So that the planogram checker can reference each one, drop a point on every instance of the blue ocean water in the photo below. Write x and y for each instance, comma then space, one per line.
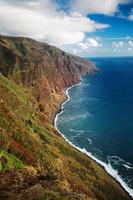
99, 115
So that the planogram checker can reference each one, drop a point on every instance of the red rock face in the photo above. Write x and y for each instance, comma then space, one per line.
44, 69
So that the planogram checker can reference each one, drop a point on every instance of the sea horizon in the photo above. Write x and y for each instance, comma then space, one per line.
93, 57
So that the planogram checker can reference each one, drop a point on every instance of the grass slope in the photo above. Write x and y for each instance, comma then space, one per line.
36, 163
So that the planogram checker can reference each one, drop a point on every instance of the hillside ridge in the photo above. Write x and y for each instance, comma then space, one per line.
45, 69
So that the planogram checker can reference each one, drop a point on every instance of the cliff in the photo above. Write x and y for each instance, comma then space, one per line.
44, 69
35, 161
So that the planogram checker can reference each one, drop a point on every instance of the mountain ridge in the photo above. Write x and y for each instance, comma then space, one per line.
30, 60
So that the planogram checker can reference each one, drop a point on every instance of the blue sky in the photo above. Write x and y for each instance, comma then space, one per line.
116, 40
82, 27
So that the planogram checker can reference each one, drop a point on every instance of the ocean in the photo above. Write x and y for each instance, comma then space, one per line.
97, 117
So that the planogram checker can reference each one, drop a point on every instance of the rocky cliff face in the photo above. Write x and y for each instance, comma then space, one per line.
44, 69
35, 161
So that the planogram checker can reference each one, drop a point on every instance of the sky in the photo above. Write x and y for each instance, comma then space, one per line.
87, 28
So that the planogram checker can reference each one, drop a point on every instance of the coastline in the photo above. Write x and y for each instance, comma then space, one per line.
107, 167
65, 98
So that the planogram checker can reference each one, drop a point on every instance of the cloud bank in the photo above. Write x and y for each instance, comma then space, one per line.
67, 28
123, 46
106, 7
42, 20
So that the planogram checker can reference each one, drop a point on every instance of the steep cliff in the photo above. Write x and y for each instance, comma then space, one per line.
35, 161
44, 69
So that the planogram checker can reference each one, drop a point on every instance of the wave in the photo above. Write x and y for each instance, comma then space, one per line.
81, 116
83, 131
76, 101
85, 84
79, 133
127, 166
76, 136
90, 141
108, 168
119, 161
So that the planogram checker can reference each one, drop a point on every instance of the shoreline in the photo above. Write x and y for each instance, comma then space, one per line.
63, 102
107, 167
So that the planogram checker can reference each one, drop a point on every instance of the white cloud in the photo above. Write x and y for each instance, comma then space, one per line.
130, 43
92, 42
122, 46
106, 7
89, 46
130, 49
117, 50
74, 51
82, 45
119, 38
43, 21
89, 43
130, 17
118, 44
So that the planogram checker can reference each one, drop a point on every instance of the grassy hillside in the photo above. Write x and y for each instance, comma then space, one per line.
35, 161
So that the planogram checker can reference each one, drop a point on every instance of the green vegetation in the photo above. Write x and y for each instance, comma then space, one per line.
9, 161
24, 141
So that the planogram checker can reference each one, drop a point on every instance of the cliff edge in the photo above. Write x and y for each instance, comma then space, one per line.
44, 69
